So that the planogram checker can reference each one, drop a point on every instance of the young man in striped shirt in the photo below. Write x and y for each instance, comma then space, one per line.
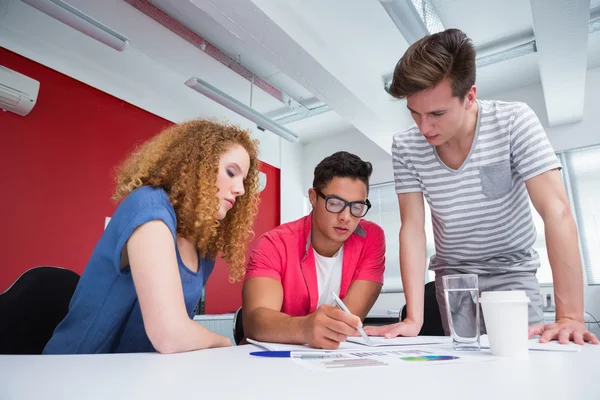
478, 163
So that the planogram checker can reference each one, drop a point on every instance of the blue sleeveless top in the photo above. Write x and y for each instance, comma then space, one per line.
104, 314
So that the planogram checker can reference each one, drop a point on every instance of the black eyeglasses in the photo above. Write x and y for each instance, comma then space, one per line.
336, 205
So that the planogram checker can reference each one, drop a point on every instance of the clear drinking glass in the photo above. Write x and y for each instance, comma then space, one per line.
462, 308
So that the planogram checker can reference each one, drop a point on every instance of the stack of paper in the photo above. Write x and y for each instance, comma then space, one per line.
378, 341
358, 343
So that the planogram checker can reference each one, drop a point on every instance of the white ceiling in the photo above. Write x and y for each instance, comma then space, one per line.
318, 52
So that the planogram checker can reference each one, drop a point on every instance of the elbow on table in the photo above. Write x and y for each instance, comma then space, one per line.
164, 340
165, 345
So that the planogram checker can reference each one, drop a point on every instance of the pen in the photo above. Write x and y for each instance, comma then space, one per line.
341, 305
293, 354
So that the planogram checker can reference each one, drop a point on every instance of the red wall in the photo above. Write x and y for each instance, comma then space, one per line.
56, 168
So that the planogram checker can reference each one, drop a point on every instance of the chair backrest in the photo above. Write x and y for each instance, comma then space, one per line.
238, 326
432, 320
32, 307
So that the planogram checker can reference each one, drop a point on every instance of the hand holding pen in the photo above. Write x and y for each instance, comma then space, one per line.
341, 305
328, 326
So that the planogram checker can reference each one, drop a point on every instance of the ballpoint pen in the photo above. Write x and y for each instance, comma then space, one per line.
295, 354
341, 305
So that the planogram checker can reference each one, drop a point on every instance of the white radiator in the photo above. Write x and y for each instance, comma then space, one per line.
221, 324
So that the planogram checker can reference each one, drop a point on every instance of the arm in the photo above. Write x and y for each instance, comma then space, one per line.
549, 198
413, 254
325, 328
412, 266
361, 296
262, 299
152, 259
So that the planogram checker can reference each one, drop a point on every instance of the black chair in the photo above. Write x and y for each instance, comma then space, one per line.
238, 327
32, 307
432, 320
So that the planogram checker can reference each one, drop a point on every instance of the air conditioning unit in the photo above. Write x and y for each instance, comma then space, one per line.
18, 93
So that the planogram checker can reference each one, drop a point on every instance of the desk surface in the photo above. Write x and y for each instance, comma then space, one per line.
231, 373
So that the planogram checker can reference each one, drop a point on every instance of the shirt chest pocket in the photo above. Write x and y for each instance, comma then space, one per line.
496, 179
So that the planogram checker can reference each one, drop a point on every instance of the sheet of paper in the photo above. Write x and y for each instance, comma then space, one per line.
344, 346
379, 341
358, 343
535, 345
406, 357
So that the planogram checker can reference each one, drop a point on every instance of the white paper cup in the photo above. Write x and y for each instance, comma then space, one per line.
506, 321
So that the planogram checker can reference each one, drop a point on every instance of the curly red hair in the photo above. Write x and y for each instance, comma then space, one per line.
184, 161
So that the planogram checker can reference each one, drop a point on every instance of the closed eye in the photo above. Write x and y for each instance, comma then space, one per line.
231, 173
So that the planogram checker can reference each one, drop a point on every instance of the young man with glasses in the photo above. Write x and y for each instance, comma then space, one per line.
296, 266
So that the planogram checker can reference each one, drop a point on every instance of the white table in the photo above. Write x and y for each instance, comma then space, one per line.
231, 373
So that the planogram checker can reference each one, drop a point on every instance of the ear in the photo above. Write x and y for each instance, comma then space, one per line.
471, 97
312, 197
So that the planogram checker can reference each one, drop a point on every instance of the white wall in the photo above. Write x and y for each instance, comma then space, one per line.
563, 137
292, 191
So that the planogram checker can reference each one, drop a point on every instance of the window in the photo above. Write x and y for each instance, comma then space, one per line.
582, 172
544, 273
384, 212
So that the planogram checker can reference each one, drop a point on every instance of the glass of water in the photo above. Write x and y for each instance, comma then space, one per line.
462, 308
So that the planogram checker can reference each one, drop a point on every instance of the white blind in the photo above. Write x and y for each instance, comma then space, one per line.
544, 272
583, 169
385, 213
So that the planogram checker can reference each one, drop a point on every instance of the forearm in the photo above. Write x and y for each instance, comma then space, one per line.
361, 297
188, 335
267, 325
565, 261
412, 270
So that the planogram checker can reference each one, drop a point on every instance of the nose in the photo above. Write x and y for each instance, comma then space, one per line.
238, 188
345, 214
425, 125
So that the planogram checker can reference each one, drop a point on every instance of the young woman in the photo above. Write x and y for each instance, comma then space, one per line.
188, 194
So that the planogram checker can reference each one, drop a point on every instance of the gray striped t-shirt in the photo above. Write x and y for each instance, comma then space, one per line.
480, 213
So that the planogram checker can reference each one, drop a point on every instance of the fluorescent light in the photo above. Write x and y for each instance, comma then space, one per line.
80, 21
427, 13
413, 18
594, 20
240, 108
488, 58
498, 52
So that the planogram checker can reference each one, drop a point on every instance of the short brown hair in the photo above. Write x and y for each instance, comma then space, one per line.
448, 54
342, 165
184, 161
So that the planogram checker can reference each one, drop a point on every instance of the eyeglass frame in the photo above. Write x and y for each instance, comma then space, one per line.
346, 203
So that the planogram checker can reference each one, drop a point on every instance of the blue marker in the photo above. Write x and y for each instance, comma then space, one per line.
293, 354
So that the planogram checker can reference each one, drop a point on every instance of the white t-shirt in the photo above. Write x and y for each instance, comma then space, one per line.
329, 276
